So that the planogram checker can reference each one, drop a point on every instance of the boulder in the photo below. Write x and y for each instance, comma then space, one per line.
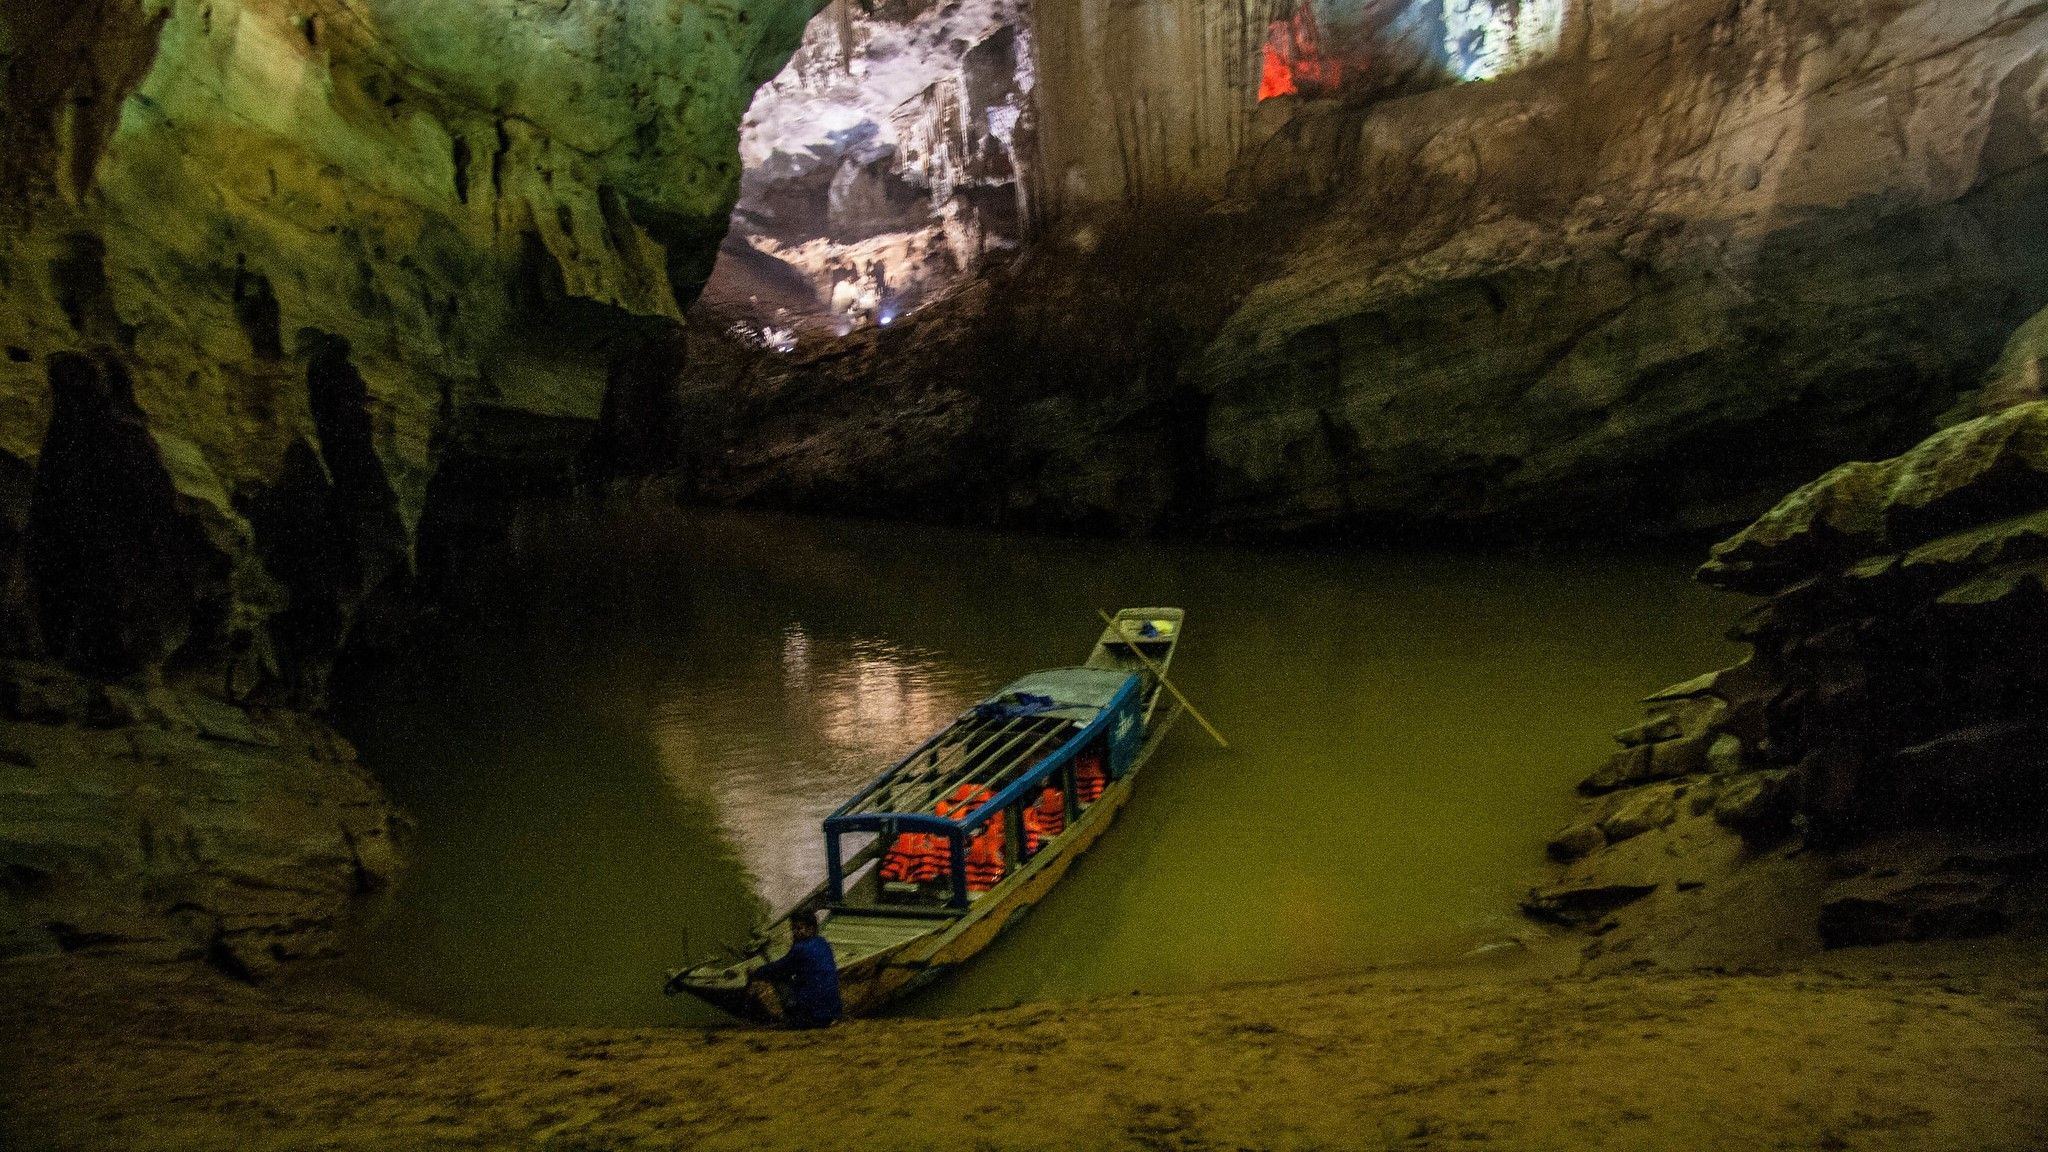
1581, 906
1762, 807
1725, 755
1643, 810
1656, 729
1985, 470
1648, 763
243, 840
1885, 911
1576, 842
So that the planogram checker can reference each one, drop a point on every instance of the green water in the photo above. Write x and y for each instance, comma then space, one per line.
631, 767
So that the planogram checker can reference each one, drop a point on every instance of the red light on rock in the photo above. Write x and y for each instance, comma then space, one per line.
1277, 79
1295, 61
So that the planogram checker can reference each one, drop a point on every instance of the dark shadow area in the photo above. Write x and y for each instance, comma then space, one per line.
124, 579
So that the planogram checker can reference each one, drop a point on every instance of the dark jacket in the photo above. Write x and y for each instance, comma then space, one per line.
809, 980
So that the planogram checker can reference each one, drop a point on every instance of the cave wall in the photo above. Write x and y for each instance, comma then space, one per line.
1143, 102
1778, 233
1143, 99
1674, 260
319, 242
881, 164
286, 290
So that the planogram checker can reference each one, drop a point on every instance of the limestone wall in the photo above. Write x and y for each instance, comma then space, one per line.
1793, 231
301, 247
275, 279
1642, 286
1161, 100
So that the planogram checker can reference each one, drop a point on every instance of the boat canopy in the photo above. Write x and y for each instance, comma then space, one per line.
1005, 749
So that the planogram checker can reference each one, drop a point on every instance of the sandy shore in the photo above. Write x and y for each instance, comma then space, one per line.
1948, 1050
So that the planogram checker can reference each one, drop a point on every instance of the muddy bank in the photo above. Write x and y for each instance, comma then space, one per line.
1902, 1051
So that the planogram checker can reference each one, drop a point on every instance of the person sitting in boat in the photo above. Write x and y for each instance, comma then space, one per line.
806, 979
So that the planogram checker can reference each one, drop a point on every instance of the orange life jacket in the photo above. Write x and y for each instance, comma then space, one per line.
1044, 820
985, 865
914, 858
1089, 777
964, 800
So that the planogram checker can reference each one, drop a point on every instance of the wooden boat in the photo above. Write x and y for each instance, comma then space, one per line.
974, 827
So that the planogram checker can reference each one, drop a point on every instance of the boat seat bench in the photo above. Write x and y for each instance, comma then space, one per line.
855, 937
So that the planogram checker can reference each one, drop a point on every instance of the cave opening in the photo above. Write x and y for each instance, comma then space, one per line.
881, 167
904, 144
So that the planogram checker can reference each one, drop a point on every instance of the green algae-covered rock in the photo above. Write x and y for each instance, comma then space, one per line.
266, 268
320, 242
2015, 379
1891, 704
1991, 468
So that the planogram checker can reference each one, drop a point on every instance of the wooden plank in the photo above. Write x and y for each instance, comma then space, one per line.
938, 760
854, 938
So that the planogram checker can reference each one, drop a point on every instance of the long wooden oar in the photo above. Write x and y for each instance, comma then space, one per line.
1117, 624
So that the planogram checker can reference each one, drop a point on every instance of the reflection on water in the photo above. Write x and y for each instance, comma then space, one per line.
845, 708
629, 776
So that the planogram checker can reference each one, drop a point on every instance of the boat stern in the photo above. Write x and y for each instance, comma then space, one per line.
724, 987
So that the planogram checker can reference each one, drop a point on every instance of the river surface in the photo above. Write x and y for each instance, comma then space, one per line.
628, 766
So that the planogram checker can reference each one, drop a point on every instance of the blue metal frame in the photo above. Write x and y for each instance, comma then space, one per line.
1123, 746
888, 774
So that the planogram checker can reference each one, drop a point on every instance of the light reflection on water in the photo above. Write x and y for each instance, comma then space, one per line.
847, 708
626, 778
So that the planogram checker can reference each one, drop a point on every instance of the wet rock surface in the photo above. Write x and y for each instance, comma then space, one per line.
169, 823
1876, 762
268, 267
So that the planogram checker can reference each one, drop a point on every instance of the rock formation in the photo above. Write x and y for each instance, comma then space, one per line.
1883, 743
886, 160
280, 284
1687, 257
165, 822
1589, 289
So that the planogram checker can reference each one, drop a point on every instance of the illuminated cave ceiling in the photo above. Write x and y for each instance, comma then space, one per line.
880, 164
902, 142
